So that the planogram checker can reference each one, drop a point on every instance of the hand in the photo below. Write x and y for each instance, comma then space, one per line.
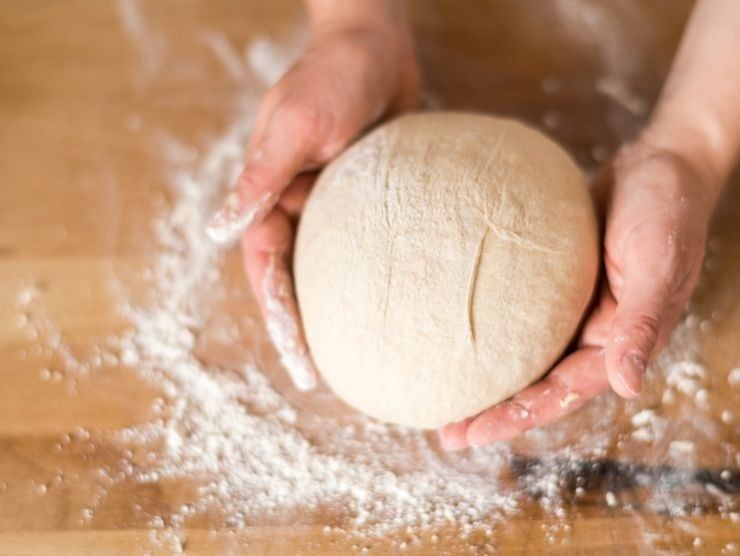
657, 209
658, 196
350, 76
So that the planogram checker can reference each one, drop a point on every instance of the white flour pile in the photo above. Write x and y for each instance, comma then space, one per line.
262, 452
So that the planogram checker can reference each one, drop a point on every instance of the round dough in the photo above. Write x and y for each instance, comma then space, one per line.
442, 264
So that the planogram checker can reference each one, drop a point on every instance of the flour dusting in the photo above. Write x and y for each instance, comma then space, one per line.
257, 451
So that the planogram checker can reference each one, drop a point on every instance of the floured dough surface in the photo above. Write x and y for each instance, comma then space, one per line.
442, 264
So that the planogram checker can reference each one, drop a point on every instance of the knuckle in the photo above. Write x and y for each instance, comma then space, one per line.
645, 326
302, 117
308, 123
666, 250
681, 260
672, 258
662, 173
670, 177
257, 178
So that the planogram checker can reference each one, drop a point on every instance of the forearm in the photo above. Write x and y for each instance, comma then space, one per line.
324, 14
698, 113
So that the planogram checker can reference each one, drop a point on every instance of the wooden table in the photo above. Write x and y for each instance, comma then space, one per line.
85, 87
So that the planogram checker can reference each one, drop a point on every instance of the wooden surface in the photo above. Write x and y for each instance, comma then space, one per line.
82, 98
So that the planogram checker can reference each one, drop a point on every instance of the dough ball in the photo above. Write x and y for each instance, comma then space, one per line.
442, 264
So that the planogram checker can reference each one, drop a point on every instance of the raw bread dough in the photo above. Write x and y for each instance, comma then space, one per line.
442, 264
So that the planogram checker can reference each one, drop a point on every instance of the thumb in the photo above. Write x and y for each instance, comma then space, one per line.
638, 322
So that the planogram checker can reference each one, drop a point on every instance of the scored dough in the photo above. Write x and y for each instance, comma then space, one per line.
442, 264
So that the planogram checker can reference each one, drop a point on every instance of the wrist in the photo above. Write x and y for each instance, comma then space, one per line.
699, 139
382, 31
385, 16
710, 158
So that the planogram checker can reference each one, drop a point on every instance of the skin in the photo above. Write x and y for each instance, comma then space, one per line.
359, 67
656, 195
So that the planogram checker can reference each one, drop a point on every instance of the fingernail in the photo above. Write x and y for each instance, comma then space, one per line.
631, 372
230, 221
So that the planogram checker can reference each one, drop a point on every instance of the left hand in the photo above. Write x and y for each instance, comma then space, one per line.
354, 72
657, 209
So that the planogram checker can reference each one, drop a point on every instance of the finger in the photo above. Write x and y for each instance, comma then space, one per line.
284, 324
283, 151
594, 335
595, 331
274, 98
266, 110
578, 378
266, 248
272, 236
644, 307
294, 197
454, 435
657, 278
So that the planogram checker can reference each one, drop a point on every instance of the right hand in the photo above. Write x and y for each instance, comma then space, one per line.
352, 75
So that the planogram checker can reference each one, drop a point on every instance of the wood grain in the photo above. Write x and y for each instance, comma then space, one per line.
81, 106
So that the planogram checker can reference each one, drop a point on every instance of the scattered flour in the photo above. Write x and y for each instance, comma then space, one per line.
733, 378
686, 377
262, 455
261, 452
618, 91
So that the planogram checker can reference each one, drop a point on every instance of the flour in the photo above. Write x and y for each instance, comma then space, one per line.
230, 222
620, 33
269, 59
618, 91
228, 57
261, 456
281, 320
261, 453
733, 378
151, 47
